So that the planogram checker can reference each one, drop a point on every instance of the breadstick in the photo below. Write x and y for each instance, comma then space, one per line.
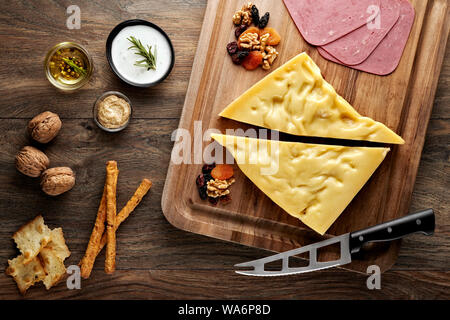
87, 263
111, 188
140, 192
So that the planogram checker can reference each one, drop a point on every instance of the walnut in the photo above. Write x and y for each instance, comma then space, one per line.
31, 161
263, 42
269, 56
55, 181
249, 41
237, 18
44, 127
266, 65
247, 7
243, 16
246, 18
219, 188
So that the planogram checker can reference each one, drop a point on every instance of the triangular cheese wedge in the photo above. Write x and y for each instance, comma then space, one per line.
296, 99
314, 183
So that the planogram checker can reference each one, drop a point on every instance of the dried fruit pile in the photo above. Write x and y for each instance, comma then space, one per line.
255, 46
214, 183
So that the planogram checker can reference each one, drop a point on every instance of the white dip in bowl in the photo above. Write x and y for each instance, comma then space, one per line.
124, 59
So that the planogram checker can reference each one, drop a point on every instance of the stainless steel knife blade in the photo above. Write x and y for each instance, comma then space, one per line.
350, 243
258, 265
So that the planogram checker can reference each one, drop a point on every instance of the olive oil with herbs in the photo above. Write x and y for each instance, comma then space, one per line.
68, 65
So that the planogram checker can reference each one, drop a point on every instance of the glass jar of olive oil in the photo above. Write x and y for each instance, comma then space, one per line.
68, 66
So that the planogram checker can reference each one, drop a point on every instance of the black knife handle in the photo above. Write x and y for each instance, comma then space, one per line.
422, 221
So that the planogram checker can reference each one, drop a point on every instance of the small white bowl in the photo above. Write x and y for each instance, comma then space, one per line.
135, 22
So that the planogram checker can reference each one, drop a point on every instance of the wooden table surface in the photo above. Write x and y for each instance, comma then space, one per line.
155, 260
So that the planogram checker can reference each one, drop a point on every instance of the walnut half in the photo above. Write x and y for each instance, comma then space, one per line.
243, 16
249, 41
55, 181
269, 56
219, 188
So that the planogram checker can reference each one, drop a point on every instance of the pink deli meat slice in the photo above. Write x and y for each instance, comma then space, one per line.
323, 21
356, 46
386, 57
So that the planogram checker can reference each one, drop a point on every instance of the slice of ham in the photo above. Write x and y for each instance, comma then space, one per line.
323, 21
357, 46
386, 57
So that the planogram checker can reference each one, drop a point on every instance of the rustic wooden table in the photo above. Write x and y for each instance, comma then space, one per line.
155, 260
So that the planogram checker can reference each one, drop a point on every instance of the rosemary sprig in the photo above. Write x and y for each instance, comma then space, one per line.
149, 60
76, 68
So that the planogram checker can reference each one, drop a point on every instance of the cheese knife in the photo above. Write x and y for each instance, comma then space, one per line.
350, 244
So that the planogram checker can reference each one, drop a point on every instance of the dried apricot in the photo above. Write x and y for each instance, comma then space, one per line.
253, 60
222, 172
274, 38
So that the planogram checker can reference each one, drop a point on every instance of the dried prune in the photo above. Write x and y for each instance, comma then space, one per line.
200, 181
239, 56
207, 168
202, 184
225, 199
207, 177
213, 201
255, 15
264, 20
239, 30
232, 48
202, 192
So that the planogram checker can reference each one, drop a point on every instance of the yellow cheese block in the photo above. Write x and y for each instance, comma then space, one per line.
296, 99
314, 183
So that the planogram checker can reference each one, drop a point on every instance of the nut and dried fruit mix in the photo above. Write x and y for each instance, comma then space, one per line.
255, 46
214, 183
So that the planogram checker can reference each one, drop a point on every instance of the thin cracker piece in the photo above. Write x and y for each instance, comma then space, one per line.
53, 266
25, 275
58, 244
31, 238
111, 210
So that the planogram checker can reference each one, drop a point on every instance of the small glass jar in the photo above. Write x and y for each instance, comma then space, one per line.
96, 109
68, 66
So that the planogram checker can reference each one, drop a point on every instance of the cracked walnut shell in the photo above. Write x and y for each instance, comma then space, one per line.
44, 127
31, 161
55, 181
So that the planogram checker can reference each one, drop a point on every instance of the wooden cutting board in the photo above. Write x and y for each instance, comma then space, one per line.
402, 100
